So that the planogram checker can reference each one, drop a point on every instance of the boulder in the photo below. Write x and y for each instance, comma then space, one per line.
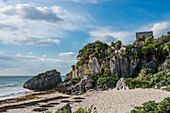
44, 81
121, 84
151, 64
81, 87
89, 84
67, 107
167, 63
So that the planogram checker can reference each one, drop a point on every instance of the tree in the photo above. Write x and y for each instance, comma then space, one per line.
73, 66
118, 45
142, 38
151, 37
110, 50
167, 47
112, 44
168, 32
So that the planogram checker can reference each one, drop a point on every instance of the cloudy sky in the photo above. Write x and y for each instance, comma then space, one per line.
39, 35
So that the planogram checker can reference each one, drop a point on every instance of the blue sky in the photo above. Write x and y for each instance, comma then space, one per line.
39, 35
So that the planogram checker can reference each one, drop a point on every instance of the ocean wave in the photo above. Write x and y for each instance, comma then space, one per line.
15, 94
7, 85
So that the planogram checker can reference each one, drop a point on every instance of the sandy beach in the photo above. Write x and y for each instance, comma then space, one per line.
111, 101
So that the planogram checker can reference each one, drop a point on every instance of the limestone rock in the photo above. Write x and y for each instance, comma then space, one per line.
94, 66
121, 84
67, 107
151, 64
44, 81
167, 63
81, 87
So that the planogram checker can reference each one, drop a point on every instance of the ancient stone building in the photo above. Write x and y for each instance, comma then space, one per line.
146, 34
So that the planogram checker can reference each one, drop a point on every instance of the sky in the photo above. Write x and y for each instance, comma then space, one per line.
40, 35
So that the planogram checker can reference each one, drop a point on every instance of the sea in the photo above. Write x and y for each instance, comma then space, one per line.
12, 86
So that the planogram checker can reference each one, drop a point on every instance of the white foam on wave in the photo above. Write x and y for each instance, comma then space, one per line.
14, 93
7, 85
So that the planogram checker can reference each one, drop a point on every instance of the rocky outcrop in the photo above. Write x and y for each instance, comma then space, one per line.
122, 66
94, 66
121, 85
44, 81
79, 88
167, 63
152, 64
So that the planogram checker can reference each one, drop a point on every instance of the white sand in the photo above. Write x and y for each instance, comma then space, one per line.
113, 101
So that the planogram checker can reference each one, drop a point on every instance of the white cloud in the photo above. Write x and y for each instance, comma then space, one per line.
30, 57
35, 58
44, 55
107, 35
3, 56
67, 54
160, 28
31, 12
25, 57
2, 52
27, 24
48, 59
30, 53
87, 1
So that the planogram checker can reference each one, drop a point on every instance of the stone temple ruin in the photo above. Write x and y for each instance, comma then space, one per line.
146, 34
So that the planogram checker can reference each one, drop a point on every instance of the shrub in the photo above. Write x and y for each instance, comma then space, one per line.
118, 45
73, 67
89, 110
137, 83
167, 88
107, 82
135, 56
76, 80
147, 71
80, 110
160, 79
168, 32
146, 80
153, 107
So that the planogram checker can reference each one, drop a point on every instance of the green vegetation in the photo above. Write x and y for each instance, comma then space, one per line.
53, 70
167, 88
144, 49
73, 67
152, 48
118, 45
97, 49
75, 80
80, 110
106, 82
153, 107
147, 79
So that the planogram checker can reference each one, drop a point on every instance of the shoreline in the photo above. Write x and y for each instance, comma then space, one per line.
26, 97
114, 101
11, 89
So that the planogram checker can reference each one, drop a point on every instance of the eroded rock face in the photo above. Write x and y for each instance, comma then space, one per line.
94, 66
122, 66
81, 87
167, 63
151, 64
121, 84
44, 81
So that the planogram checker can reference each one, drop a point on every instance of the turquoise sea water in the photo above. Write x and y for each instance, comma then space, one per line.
12, 86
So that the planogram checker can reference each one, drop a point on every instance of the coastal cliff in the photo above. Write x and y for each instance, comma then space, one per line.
124, 60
